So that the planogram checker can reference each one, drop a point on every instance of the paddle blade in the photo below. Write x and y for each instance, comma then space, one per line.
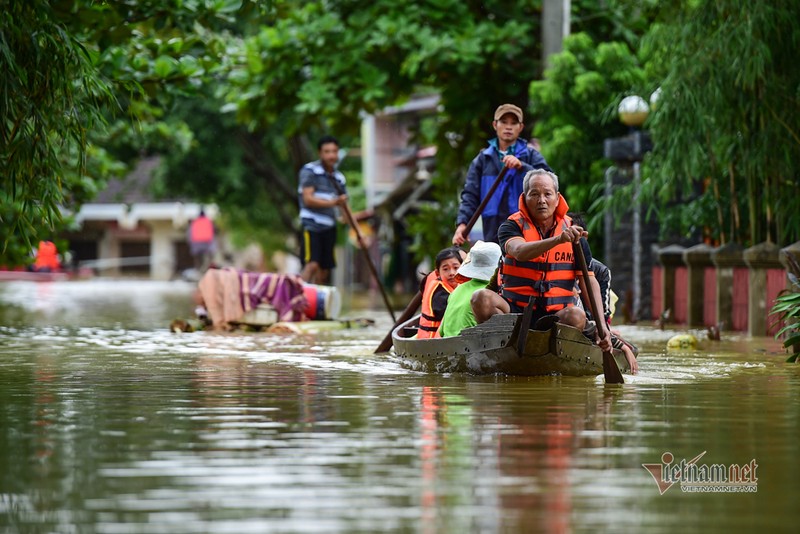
407, 314
386, 344
611, 371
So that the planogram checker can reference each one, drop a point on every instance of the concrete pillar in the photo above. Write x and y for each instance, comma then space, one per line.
759, 258
697, 258
109, 248
369, 156
725, 258
671, 257
555, 26
162, 252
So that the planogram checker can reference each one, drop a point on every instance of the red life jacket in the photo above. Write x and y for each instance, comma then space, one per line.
47, 256
202, 230
428, 323
549, 278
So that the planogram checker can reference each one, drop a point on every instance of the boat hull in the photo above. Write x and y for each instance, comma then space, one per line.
492, 347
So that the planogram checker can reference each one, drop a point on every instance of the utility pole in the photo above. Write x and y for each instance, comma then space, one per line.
555, 27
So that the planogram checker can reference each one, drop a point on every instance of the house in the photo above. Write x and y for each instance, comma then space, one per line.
126, 231
396, 180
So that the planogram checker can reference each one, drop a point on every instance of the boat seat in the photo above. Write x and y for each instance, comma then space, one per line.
410, 331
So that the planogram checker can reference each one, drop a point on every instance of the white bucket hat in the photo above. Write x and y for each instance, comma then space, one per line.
481, 261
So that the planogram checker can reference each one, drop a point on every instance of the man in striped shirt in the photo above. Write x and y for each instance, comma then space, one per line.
321, 190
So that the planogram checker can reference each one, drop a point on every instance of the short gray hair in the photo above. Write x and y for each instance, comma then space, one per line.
526, 181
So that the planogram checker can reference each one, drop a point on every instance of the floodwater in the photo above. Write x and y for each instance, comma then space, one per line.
110, 423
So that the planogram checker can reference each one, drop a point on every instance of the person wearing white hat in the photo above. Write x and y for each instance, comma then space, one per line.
480, 265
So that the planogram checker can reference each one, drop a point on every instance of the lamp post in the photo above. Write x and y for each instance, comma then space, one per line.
633, 111
628, 152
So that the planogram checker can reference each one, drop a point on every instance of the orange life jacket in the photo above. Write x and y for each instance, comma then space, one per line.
47, 256
428, 323
202, 230
549, 278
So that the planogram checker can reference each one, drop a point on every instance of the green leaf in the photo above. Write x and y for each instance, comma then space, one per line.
792, 340
164, 66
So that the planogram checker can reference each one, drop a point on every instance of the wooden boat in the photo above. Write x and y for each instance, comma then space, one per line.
492, 347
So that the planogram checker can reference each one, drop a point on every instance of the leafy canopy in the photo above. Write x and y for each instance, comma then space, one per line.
726, 121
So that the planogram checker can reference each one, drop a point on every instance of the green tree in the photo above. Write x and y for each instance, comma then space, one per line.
726, 120
71, 67
287, 71
51, 98
576, 104
320, 65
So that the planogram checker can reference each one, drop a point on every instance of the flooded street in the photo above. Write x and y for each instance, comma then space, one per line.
110, 423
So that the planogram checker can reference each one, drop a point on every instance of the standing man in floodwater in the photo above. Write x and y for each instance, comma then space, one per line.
319, 198
505, 149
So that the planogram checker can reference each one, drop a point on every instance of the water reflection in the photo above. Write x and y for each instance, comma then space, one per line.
97, 302
115, 426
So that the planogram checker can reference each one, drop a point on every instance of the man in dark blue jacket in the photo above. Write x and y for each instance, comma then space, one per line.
507, 148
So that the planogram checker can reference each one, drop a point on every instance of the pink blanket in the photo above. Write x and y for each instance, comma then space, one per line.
221, 290
228, 294
284, 292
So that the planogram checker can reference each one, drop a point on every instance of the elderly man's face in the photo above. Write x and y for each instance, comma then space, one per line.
541, 198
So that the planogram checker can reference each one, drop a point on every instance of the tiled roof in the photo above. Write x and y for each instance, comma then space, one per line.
135, 187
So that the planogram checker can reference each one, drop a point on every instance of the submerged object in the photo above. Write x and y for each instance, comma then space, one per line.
682, 342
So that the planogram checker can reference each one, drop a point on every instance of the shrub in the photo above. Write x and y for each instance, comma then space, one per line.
787, 309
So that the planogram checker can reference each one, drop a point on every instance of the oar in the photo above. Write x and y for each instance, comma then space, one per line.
386, 344
524, 327
352, 221
611, 372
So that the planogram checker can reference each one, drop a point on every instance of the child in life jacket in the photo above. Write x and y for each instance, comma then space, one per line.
436, 288
475, 273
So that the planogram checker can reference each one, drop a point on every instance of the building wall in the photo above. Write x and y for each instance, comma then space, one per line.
146, 239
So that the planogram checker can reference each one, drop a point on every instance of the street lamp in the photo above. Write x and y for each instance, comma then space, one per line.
654, 98
633, 111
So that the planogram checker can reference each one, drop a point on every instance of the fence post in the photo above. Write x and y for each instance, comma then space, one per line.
673, 282
726, 258
760, 259
697, 259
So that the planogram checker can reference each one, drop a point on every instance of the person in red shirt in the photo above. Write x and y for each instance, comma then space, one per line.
202, 243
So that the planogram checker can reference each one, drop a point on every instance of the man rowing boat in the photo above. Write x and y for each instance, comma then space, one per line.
538, 262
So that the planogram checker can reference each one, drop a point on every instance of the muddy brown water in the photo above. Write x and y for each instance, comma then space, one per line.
110, 423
